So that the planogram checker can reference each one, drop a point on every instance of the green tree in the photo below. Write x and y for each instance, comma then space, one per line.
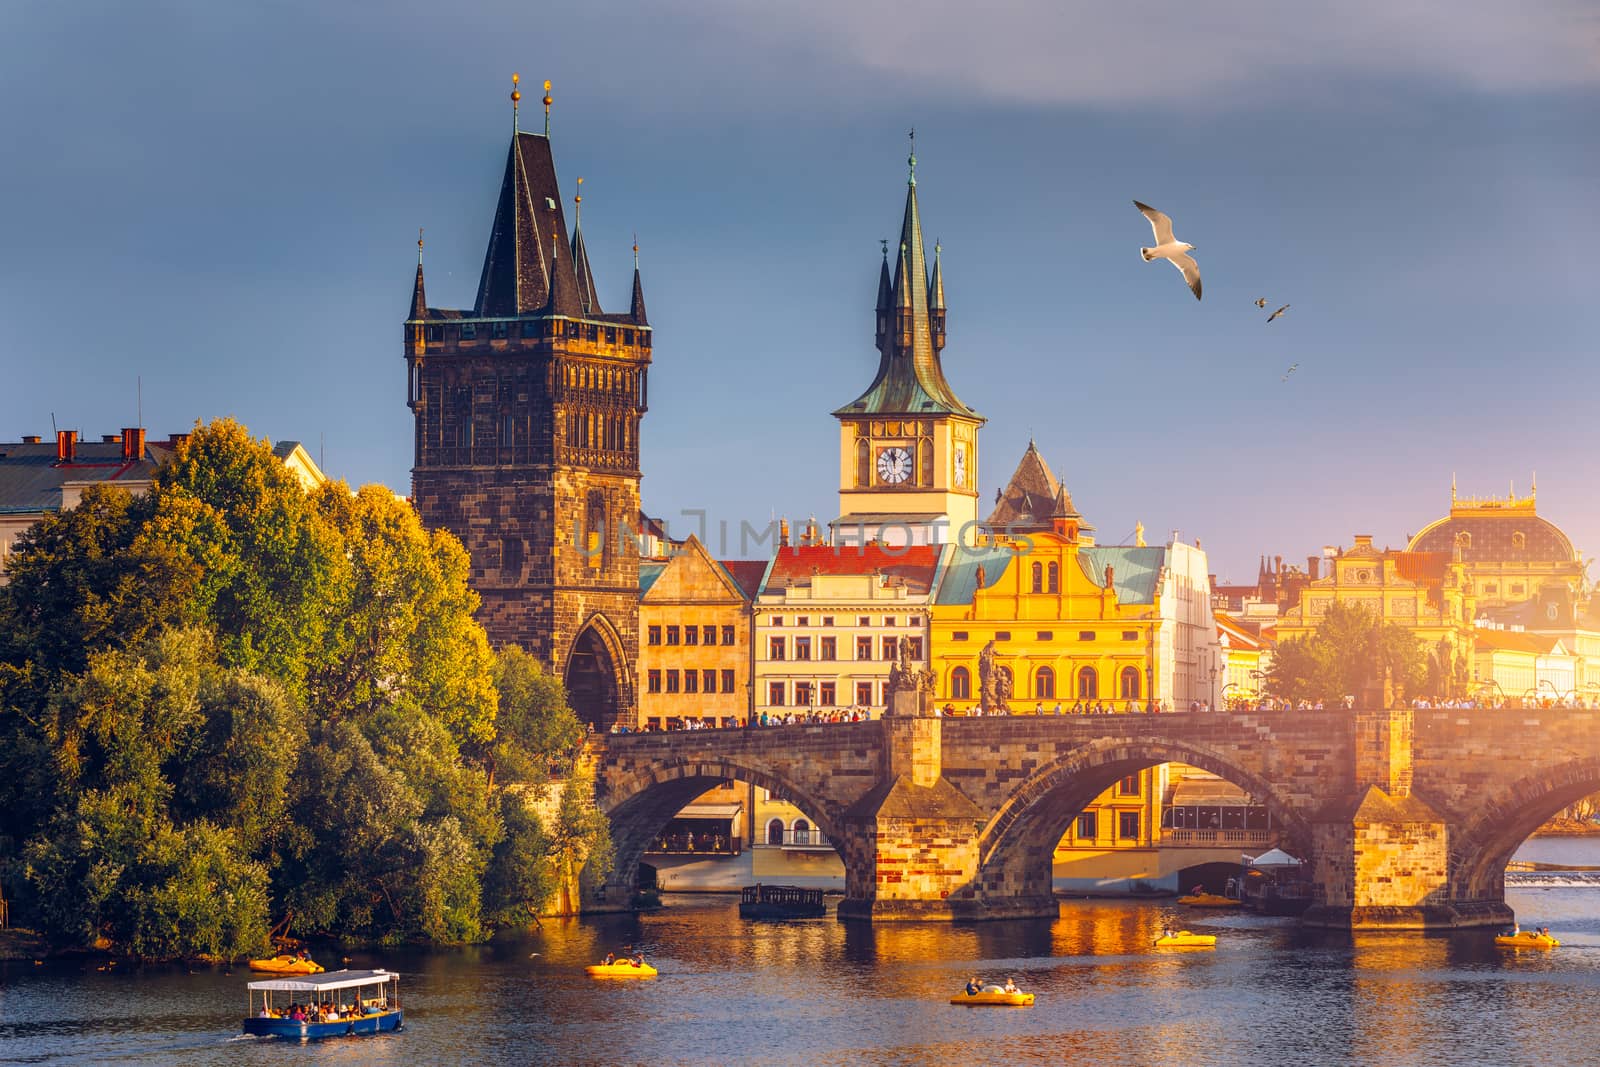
520, 879
1347, 656
535, 726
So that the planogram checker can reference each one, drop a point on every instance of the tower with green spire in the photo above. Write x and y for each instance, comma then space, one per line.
908, 446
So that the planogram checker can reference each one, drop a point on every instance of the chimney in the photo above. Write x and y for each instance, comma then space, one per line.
178, 439
1313, 568
1277, 564
31, 439
132, 444
783, 533
66, 446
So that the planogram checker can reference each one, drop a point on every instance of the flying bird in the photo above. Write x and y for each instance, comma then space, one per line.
1170, 248
1292, 368
1280, 311
1261, 302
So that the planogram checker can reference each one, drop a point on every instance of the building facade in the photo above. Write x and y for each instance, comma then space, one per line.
527, 409
1510, 553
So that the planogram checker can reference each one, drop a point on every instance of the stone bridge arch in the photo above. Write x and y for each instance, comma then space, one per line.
1484, 841
1016, 847
639, 805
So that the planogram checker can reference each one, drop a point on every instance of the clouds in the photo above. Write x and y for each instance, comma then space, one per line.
1155, 52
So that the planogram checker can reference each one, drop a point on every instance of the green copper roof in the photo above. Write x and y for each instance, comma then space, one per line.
1134, 571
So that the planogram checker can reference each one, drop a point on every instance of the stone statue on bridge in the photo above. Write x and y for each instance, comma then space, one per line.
910, 689
987, 692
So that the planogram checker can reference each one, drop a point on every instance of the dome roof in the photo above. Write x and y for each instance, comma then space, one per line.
1496, 532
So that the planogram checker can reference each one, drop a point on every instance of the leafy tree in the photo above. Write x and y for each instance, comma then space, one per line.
535, 726
1346, 656
520, 879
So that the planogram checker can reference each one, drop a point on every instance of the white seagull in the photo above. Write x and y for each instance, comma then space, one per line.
1292, 368
1280, 311
1169, 248
1261, 302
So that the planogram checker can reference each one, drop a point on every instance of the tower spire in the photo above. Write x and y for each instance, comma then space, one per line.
936, 301
636, 308
588, 298
516, 99
419, 301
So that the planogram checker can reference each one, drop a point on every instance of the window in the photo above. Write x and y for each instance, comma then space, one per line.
727, 635
1516, 590
672, 681
775, 832
827, 695
511, 555
777, 620
960, 684
802, 648
864, 694
775, 647
914, 644
1130, 635
1038, 577
775, 694
827, 620
655, 681
1088, 684
1128, 825
959, 635
803, 694
672, 635
863, 620
829, 648
863, 648
802, 832
803, 621
1045, 635
469, 331
1002, 635
708, 681
891, 647
691, 635
497, 330
691, 682
863, 463
1086, 829
708, 635
727, 681
530, 328
654, 635
888, 620
1085, 635
1053, 579
1519, 539
1044, 683
1128, 683
1129, 786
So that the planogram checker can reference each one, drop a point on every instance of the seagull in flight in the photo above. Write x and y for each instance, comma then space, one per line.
1261, 302
1292, 368
1170, 248
1275, 314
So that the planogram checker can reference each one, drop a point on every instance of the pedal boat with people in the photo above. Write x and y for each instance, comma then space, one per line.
365, 1002
1184, 939
623, 968
994, 996
1526, 939
287, 964
1208, 900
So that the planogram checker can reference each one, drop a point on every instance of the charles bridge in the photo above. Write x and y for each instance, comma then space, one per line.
1408, 818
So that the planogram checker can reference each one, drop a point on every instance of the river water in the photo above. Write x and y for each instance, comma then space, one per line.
819, 992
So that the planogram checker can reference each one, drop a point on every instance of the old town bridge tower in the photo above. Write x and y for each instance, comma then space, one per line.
527, 409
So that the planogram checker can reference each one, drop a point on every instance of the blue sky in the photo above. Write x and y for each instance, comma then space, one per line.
222, 200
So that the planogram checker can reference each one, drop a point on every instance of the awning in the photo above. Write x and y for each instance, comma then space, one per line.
1208, 792
311, 983
1272, 860
710, 811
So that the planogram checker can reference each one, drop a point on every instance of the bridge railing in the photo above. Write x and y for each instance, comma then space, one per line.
802, 840
1219, 838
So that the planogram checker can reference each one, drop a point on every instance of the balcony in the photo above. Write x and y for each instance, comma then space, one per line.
800, 841
1262, 839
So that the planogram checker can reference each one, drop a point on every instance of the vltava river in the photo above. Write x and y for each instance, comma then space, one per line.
823, 993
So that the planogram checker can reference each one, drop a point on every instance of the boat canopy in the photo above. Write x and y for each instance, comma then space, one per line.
312, 983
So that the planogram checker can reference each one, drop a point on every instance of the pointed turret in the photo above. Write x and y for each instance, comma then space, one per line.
419, 299
636, 308
910, 379
885, 299
936, 301
564, 299
520, 260
588, 299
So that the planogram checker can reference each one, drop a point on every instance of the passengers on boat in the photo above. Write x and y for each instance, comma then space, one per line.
609, 960
1011, 986
974, 987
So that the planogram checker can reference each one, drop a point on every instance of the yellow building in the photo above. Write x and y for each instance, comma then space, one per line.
1426, 592
1510, 553
1523, 667
694, 639
1246, 657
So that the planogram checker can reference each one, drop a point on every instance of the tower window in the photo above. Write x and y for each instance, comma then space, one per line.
497, 331
1053, 578
469, 331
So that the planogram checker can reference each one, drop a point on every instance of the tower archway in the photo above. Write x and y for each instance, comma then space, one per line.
594, 675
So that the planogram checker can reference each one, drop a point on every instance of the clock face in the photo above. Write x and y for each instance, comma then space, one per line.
961, 468
894, 466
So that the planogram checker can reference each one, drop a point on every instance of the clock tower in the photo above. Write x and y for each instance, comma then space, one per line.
908, 446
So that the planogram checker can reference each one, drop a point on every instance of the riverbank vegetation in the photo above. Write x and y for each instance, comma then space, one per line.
230, 700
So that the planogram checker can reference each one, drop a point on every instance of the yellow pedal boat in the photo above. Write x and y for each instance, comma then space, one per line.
996, 997
621, 969
1208, 900
1184, 939
1526, 939
286, 965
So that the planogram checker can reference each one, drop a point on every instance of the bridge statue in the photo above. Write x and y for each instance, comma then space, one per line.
1406, 818
988, 693
909, 690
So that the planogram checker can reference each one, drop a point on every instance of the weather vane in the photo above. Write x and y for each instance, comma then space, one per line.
516, 98
419, 246
547, 108
577, 204
911, 160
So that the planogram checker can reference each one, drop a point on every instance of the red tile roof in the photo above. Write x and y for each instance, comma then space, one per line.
915, 565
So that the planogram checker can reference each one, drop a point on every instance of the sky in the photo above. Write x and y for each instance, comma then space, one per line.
211, 209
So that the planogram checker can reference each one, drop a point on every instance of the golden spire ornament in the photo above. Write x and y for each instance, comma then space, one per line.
516, 98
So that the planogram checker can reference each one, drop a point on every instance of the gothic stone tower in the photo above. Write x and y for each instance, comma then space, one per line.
908, 446
527, 410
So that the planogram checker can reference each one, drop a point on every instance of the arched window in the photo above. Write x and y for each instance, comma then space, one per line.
960, 684
925, 462
1038, 577
863, 463
1088, 684
1044, 683
775, 832
1129, 686
1053, 582
802, 832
